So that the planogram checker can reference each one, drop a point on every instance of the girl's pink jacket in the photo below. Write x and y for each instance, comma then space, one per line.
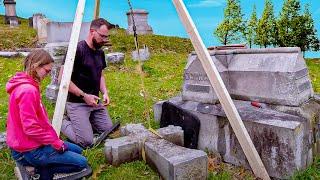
28, 124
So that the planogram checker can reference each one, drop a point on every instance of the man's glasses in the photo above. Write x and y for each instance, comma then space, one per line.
102, 35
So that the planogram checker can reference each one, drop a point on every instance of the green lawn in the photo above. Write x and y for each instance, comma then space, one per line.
18, 37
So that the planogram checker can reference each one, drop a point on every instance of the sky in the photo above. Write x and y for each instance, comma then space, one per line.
164, 20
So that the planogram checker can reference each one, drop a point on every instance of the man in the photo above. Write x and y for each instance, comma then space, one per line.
86, 113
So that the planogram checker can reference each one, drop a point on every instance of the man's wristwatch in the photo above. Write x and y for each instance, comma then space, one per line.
82, 95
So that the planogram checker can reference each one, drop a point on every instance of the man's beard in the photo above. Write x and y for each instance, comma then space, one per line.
96, 45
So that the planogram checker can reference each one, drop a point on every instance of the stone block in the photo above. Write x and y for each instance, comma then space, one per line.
172, 134
273, 76
115, 58
143, 54
282, 140
121, 150
35, 19
157, 109
171, 161
42, 30
8, 54
61, 31
176, 162
141, 22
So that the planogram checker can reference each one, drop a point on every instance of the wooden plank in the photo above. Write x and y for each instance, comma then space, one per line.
68, 67
97, 9
222, 93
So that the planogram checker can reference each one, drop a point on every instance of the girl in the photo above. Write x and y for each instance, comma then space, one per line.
30, 136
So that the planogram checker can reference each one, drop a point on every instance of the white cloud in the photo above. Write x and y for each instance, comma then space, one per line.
208, 3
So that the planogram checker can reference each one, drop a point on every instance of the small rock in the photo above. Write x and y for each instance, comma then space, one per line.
3, 136
115, 58
143, 54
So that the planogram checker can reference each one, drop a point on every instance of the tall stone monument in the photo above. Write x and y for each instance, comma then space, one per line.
10, 12
141, 22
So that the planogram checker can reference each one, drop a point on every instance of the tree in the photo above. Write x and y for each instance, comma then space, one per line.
308, 39
266, 29
231, 28
288, 24
295, 28
250, 32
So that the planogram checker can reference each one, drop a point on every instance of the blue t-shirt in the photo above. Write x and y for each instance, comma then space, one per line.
87, 69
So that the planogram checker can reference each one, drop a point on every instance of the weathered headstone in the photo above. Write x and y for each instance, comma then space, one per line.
115, 58
143, 54
282, 116
281, 139
35, 19
61, 31
57, 38
274, 76
141, 22
10, 13
57, 52
42, 30
171, 161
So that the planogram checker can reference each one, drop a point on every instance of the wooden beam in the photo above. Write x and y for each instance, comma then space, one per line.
97, 9
68, 67
222, 93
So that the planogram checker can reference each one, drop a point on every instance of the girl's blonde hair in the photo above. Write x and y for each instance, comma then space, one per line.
36, 58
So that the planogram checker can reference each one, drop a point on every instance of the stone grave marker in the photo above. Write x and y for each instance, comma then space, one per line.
273, 76
274, 97
141, 22
166, 155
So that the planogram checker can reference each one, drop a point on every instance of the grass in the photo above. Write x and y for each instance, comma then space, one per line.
17, 37
162, 78
314, 71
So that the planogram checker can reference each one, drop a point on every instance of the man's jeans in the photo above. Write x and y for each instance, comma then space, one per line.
48, 161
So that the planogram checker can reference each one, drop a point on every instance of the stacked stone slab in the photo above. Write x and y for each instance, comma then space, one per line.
141, 22
10, 13
164, 154
284, 126
274, 76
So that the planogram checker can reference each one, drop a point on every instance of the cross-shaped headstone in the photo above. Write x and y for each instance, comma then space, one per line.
165, 154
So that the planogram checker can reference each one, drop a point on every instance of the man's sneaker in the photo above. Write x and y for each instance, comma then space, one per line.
86, 172
105, 134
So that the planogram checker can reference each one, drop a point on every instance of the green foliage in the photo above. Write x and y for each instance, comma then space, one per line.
287, 22
312, 172
266, 29
295, 28
250, 32
17, 37
231, 29
314, 73
308, 38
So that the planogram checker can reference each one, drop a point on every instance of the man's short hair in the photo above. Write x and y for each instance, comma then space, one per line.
97, 23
